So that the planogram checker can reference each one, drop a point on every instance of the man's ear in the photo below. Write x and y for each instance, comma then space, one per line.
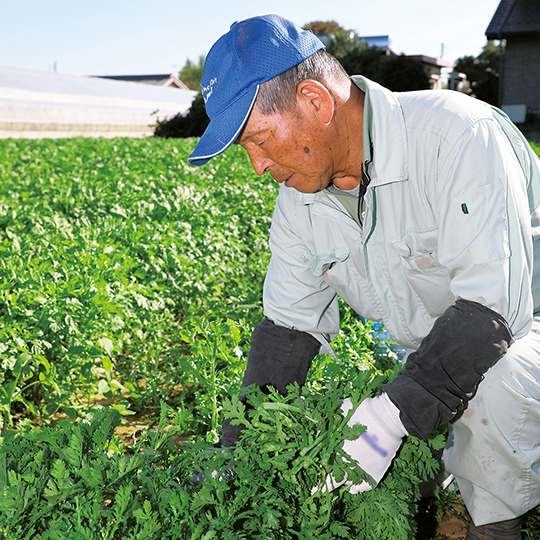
313, 97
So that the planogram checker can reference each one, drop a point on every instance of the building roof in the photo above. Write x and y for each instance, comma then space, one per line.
167, 79
515, 18
381, 42
437, 62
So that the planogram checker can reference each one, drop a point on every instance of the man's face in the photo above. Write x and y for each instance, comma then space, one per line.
292, 148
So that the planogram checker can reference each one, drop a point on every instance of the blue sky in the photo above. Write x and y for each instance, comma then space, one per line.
121, 37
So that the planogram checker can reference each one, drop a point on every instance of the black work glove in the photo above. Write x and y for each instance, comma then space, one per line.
278, 357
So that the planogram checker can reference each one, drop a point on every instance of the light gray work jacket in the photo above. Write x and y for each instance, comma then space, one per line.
450, 212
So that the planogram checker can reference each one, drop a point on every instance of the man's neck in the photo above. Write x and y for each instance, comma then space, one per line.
351, 117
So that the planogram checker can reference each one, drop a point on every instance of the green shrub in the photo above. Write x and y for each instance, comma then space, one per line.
191, 124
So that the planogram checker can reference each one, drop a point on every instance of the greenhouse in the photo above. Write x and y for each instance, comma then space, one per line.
37, 104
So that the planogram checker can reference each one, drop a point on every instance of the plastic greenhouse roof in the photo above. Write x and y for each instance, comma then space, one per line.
33, 101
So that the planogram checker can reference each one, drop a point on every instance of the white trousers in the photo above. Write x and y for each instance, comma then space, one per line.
493, 449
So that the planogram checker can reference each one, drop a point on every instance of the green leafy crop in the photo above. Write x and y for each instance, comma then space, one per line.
107, 249
78, 482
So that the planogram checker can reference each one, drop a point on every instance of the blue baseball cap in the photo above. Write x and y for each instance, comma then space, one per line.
252, 52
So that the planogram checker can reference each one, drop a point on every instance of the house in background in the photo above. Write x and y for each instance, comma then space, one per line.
433, 66
518, 23
381, 42
167, 80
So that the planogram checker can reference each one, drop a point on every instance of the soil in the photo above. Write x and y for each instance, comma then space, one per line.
452, 527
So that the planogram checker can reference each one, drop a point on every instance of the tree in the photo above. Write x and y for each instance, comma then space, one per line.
403, 73
194, 122
323, 28
483, 72
191, 73
356, 57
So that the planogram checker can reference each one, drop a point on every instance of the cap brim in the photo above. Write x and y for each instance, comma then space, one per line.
224, 129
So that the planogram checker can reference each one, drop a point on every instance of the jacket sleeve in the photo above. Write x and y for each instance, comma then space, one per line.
293, 295
484, 222
444, 373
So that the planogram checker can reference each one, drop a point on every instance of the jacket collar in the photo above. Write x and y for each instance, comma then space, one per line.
384, 133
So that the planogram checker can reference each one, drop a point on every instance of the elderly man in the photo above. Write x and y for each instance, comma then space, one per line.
420, 210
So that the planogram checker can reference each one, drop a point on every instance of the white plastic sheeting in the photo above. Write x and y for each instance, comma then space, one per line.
39, 104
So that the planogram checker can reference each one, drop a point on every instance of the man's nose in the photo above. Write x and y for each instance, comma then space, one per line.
259, 162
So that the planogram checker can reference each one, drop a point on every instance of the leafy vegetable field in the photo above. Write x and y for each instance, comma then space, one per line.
130, 279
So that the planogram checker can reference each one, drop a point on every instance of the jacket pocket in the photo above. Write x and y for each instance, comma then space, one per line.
421, 268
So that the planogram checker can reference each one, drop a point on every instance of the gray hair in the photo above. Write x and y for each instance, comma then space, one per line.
278, 95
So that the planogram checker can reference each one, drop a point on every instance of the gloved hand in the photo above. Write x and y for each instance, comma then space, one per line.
375, 449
